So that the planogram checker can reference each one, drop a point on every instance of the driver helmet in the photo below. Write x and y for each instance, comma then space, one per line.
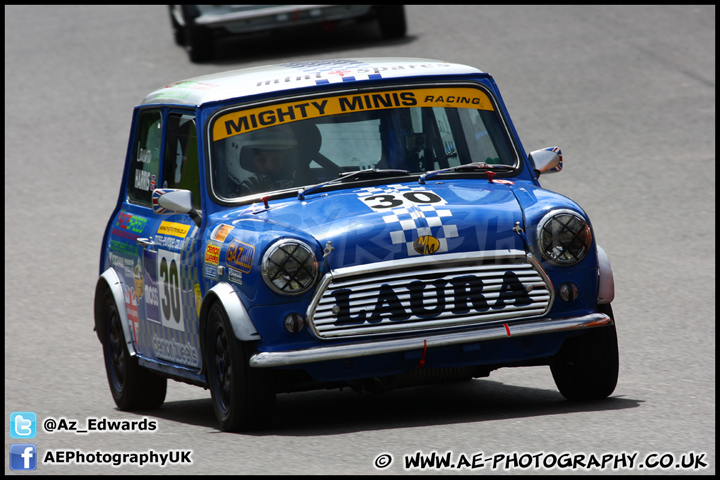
273, 141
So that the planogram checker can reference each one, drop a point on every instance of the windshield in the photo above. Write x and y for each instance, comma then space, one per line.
299, 143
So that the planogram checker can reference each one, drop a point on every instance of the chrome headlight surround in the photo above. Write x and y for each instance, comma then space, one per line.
289, 267
564, 237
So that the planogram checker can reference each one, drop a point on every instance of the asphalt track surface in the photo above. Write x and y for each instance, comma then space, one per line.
628, 93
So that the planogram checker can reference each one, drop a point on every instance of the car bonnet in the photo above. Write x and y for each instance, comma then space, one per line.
393, 222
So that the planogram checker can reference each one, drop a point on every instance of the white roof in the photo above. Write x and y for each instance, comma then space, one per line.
286, 76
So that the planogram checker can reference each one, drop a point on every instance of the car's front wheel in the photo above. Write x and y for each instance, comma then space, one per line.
586, 368
242, 396
132, 386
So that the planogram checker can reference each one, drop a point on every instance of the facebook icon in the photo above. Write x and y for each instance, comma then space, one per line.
23, 456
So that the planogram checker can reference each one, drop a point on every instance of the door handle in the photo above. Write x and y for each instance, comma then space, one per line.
145, 242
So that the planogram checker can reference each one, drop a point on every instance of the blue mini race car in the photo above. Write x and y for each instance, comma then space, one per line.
365, 223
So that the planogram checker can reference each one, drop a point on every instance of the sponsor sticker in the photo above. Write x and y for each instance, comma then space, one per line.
130, 222
131, 306
235, 276
212, 254
198, 298
221, 232
240, 255
426, 245
175, 351
175, 229
211, 271
242, 121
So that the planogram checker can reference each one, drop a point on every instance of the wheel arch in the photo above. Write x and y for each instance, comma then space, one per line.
110, 281
224, 294
606, 282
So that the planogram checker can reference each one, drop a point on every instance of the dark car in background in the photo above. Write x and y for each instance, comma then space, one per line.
196, 27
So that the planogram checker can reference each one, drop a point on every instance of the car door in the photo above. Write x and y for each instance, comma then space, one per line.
166, 274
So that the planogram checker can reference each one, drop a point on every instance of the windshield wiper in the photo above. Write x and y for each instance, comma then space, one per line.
349, 176
470, 167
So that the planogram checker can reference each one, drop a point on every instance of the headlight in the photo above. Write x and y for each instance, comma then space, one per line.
564, 237
289, 267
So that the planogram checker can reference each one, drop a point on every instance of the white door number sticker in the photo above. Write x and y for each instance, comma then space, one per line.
171, 310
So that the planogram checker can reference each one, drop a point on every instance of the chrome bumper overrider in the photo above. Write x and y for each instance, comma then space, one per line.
494, 332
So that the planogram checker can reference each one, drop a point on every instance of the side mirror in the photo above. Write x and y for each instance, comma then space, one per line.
547, 160
170, 201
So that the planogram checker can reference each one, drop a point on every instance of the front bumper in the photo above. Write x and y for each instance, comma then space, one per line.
364, 349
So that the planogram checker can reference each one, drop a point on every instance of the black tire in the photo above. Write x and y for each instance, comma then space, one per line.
392, 21
242, 397
586, 368
198, 40
132, 386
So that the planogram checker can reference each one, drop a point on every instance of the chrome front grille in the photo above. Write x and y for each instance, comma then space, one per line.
430, 293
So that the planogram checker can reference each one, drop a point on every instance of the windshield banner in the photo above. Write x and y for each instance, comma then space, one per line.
255, 118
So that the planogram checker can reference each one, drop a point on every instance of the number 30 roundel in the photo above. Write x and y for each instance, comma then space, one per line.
386, 201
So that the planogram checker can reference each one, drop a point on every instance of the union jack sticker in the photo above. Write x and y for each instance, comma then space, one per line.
559, 166
156, 194
131, 305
